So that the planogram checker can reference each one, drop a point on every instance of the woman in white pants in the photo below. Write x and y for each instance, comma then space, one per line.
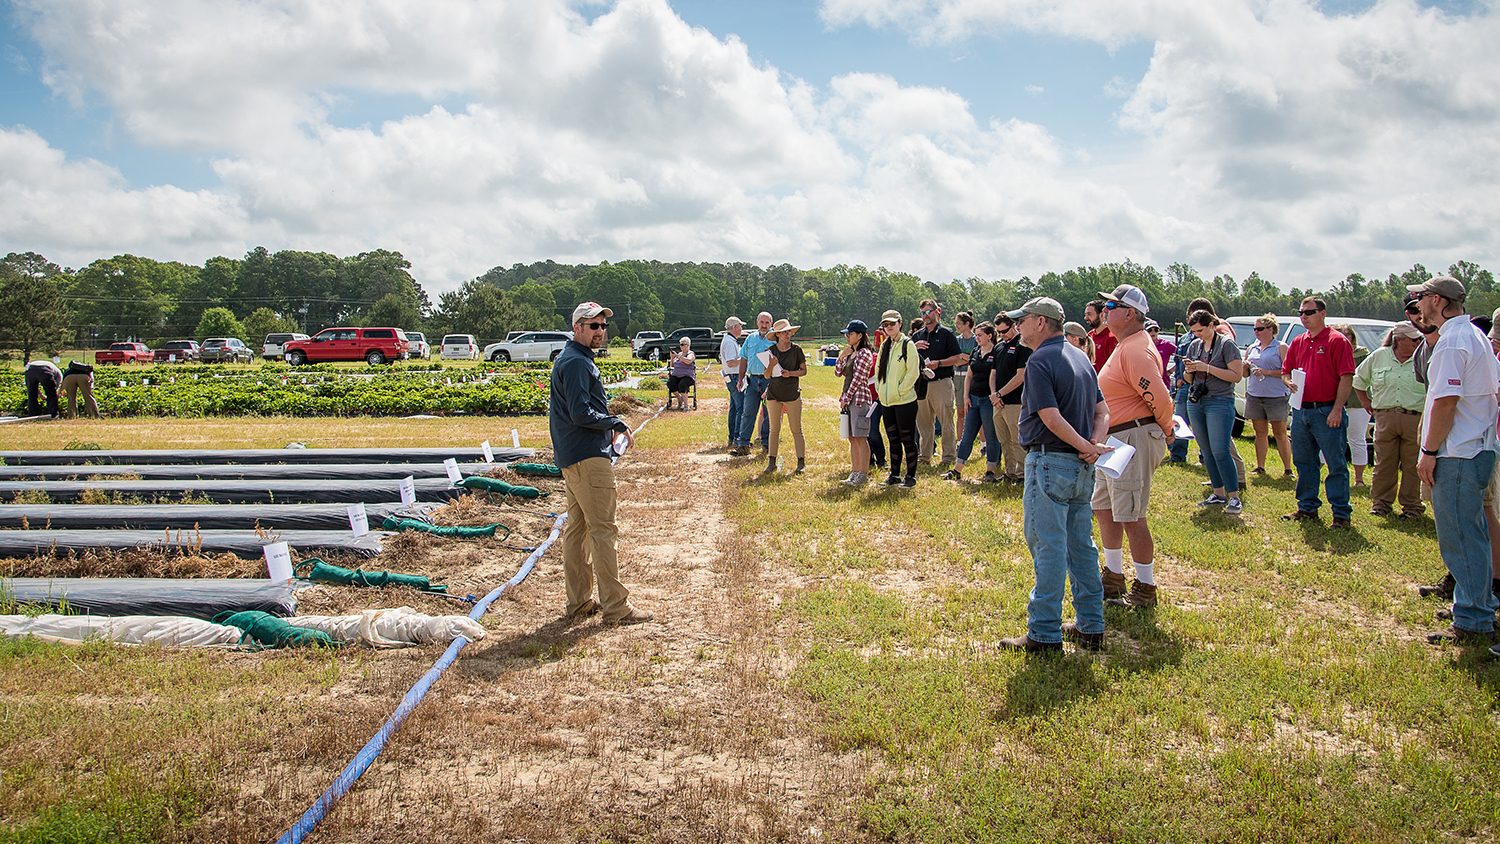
1359, 418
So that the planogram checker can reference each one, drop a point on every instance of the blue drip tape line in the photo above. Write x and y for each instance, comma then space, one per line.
366, 755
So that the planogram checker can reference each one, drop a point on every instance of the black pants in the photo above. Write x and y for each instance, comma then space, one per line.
40, 380
877, 443
901, 428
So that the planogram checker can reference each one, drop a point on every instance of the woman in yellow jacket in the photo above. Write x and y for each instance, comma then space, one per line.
896, 372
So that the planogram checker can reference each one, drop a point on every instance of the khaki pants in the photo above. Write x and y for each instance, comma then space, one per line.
1396, 449
938, 404
1008, 429
71, 384
793, 410
589, 537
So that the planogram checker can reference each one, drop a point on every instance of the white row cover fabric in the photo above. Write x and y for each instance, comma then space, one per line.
398, 627
166, 630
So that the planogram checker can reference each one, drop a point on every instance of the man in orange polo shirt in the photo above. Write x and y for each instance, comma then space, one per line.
1140, 413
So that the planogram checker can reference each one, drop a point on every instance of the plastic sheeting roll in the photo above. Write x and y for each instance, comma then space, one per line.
246, 543
263, 455
245, 471
268, 491
399, 627
205, 516
167, 631
195, 598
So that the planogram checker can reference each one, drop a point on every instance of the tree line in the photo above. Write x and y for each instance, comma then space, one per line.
46, 307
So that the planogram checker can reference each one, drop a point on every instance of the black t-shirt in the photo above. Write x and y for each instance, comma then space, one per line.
783, 388
1010, 358
981, 363
941, 343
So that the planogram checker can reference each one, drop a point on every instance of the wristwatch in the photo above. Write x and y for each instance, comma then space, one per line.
1430, 452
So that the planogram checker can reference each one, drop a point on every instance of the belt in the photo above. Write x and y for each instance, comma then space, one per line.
1398, 410
1134, 423
1315, 405
1052, 449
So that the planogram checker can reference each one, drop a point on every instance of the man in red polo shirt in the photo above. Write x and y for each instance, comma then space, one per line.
1319, 424
1104, 341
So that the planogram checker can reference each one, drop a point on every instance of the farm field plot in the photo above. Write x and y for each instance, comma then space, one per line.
822, 668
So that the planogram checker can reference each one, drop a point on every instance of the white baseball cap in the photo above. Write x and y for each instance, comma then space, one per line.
590, 309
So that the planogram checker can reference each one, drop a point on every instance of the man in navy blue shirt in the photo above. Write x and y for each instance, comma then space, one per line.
1063, 415
583, 437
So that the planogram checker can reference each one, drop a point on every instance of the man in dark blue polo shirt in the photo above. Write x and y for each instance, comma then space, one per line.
583, 436
1063, 415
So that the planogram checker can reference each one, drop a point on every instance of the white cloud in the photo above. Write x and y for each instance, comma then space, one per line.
1273, 138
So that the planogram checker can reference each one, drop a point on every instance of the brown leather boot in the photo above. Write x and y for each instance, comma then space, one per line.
1087, 641
1141, 596
1114, 584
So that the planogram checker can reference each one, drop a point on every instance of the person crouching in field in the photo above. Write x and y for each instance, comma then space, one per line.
856, 364
1062, 415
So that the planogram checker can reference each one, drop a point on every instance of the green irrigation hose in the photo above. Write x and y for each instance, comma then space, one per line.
322, 572
479, 482
546, 470
268, 631
456, 532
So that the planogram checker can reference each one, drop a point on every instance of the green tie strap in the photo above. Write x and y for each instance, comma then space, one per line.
456, 532
268, 631
484, 484
322, 572
546, 470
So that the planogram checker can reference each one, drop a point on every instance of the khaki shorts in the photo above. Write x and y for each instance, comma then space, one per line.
1129, 496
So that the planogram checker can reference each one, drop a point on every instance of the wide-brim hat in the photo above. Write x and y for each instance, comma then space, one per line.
782, 325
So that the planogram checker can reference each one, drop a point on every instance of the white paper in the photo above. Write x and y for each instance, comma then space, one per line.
489, 453
776, 370
359, 520
278, 561
408, 491
1115, 462
871, 411
1299, 384
843, 426
515, 438
764, 357
1180, 428
620, 445
452, 466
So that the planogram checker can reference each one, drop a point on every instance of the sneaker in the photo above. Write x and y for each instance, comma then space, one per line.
1259, 470
1140, 596
632, 616
1300, 516
989, 478
849, 481
953, 475
893, 480
1377, 511
1213, 500
1114, 584
1234, 507
1087, 641
860, 479
1442, 589
1030, 646
1288, 473
908, 482
801, 466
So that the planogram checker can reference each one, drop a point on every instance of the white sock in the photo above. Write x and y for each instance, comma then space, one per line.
1144, 575
1114, 560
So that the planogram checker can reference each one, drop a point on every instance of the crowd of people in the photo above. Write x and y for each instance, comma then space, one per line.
1052, 397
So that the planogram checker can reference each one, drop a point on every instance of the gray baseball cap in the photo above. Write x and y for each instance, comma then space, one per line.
1445, 286
1041, 305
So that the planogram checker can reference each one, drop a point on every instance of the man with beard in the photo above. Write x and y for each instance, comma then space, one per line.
1104, 342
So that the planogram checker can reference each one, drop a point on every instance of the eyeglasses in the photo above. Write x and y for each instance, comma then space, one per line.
1308, 312
596, 326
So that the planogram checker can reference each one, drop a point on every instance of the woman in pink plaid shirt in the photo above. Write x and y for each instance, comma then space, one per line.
856, 364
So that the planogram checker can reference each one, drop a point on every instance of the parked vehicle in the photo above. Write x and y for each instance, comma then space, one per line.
272, 348
459, 347
1369, 333
225, 350
122, 353
705, 343
374, 346
420, 348
642, 338
177, 351
535, 345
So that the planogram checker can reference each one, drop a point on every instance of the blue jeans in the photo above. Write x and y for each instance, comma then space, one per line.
1464, 538
981, 413
736, 407
1212, 421
755, 385
1178, 449
1311, 436
1059, 528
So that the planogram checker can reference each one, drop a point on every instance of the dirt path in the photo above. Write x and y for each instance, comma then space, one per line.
679, 730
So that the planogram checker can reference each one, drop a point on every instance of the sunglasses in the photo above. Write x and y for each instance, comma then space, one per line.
1109, 306
928, 312
596, 326
1309, 312
890, 323
1413, 309
1262, 328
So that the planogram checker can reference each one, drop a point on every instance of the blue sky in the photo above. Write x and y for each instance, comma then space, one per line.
1238, 135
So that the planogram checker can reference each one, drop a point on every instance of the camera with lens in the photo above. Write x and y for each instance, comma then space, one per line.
1197, 391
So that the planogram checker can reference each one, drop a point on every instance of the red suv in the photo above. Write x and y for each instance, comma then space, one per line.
371, 345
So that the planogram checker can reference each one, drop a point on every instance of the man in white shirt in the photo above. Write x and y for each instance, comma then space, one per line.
731, 365
1458, 447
